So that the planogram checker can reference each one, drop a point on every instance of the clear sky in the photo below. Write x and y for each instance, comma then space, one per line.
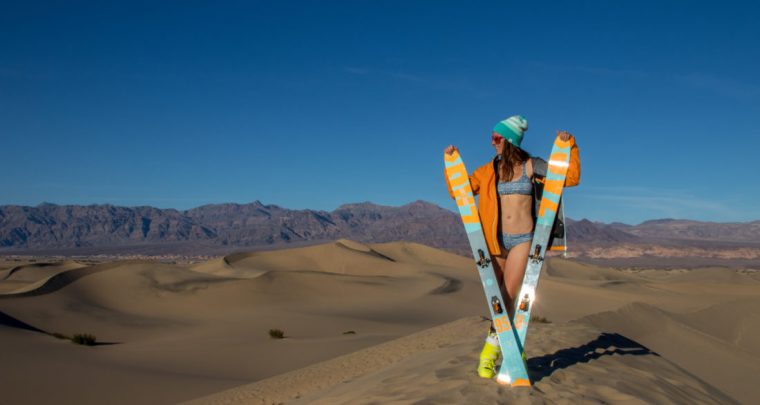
314, 104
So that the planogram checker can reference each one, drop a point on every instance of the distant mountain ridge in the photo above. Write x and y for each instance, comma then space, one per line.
696, 230
227, 226
50, 226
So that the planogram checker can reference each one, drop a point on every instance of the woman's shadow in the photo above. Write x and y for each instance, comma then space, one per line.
605, 344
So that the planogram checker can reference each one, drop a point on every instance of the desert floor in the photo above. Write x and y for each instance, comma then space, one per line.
381, 323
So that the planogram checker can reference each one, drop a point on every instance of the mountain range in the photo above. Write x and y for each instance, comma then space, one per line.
220, 228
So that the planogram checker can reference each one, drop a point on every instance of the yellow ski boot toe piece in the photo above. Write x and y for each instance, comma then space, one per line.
488, 356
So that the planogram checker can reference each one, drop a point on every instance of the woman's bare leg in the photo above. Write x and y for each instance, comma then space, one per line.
514, 273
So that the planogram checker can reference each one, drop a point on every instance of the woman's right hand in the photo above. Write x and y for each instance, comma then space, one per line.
450, 150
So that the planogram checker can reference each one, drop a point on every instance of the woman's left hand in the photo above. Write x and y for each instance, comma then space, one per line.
564, 135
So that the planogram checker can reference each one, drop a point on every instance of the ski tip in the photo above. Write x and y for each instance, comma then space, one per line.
521, 382
503, 379
562, 144
453, 157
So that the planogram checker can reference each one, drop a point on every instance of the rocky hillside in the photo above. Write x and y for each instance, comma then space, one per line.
695, 230
49, 226
219, 227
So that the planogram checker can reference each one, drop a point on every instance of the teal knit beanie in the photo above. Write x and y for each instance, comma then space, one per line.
512, 129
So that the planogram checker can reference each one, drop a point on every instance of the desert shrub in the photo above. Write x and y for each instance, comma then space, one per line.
276, 334
349, 332
539, 319
84, 339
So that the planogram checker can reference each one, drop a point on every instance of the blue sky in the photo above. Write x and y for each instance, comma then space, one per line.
315, 104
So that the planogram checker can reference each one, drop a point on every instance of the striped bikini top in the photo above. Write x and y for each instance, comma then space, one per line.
522, 185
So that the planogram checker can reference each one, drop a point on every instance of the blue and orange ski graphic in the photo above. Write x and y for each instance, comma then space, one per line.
514, 369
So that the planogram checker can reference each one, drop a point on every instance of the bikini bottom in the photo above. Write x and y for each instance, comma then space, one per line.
510, 240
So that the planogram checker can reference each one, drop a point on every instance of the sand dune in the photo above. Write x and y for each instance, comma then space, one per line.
31, 276
736, 322
694, 342
206, 328
350, 313
569, 363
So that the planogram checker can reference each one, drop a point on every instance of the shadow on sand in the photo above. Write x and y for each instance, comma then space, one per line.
606, 344
11, 322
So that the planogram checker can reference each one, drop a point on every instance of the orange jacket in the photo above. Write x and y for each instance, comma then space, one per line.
483, 182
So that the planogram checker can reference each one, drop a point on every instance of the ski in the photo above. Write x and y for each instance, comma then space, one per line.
513, 370
559, 161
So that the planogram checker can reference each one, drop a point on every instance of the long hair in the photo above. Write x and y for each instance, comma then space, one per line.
511, 156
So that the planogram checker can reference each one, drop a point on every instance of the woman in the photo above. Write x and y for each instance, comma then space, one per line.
506, 207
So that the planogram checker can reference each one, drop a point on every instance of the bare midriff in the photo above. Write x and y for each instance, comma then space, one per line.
516, 213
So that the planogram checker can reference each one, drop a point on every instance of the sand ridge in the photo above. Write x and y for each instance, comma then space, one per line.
28, 277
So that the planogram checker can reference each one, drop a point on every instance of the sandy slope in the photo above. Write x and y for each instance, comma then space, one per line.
694, 340
570, 363
187, 331
178, 332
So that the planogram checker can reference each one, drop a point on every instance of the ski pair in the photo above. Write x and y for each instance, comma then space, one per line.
511, 332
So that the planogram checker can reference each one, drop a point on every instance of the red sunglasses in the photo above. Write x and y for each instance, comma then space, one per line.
495, 138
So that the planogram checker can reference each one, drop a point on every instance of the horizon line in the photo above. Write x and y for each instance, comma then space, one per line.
348, 204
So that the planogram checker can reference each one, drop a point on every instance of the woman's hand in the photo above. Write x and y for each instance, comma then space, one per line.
564, 135
450, 150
